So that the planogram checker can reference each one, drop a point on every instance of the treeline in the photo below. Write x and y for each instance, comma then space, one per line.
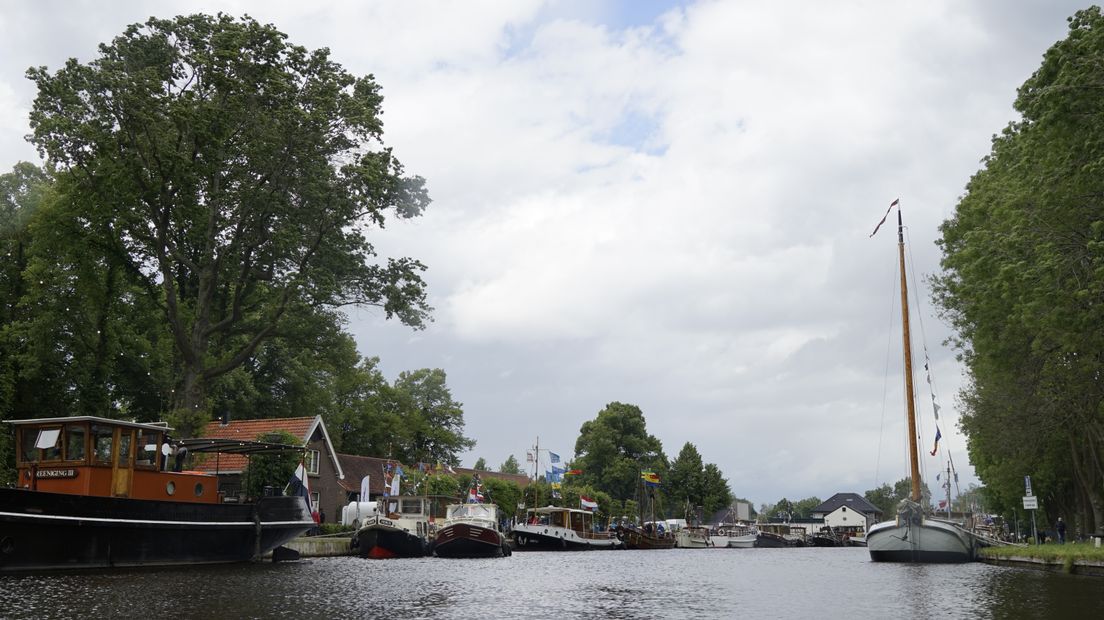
203, 217
615, 447
1023, 286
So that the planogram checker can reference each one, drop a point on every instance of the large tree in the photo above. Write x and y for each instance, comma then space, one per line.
614, 448
1023, 285
235, 176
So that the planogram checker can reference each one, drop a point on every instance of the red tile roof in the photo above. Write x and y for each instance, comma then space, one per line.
249, 430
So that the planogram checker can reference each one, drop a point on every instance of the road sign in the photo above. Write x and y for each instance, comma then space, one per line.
1027, 485
1031, 502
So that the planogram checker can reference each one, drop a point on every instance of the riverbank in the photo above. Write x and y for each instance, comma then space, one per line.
1072, 558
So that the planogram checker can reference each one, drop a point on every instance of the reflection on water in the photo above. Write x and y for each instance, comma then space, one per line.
705, 583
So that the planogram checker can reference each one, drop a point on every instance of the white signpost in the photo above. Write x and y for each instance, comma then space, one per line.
1030, 502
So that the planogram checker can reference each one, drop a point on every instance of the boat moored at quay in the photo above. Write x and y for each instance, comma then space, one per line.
555, 528
400, 527
471, 531
98, 493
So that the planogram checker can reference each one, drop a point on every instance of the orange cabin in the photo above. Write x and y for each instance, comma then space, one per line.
87, 455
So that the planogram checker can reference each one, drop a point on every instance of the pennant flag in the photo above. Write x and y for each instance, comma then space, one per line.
365, 488
937, 476
529, 458
587, 503
650, 478
935, 406
557, 485
395, 479
891, 205
938, 435
574, 472
555, 458
298, 485
942, 504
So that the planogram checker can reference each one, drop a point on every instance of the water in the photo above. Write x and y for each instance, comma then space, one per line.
677, 583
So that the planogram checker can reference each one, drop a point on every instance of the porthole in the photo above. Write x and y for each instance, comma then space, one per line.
170, 488
199, 489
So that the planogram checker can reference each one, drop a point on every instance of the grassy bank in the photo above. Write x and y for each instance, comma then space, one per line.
1070, 552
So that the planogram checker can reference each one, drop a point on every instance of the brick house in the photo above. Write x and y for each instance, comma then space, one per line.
324, 470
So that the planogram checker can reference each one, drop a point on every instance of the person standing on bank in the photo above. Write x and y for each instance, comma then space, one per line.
1061, 527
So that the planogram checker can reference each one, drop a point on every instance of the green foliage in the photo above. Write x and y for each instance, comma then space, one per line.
614, 448
1023, 286
229, 177
510, 466
480, 464
692, 485
271, 470
803, 509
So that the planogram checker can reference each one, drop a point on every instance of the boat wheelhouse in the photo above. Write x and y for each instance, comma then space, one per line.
93, 492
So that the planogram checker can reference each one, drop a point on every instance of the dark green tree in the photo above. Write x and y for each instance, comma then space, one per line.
480, 464
434, 421
510, 466
1023, 286
614, 448
271, 470
803, 509
236, 177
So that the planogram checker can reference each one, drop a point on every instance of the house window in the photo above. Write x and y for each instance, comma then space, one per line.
312, 462
314, 501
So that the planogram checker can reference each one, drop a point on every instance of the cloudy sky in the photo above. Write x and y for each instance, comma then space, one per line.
660, 203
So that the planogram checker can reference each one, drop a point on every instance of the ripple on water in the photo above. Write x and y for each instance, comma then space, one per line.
678, 583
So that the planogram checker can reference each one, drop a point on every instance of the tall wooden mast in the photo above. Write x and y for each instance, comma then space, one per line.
914, 458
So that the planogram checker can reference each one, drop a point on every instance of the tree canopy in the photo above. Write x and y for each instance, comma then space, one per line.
232, 178
1023, 286
614, 448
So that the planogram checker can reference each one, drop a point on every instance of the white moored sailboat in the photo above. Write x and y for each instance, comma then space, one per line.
914, 536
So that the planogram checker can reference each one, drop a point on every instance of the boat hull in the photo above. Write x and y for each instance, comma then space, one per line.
54, 531
924, 541
770, 540
551, 538
746, 541
465, 540
378, 541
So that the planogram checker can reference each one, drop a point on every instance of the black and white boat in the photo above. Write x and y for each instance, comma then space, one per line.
97, 493
554, 528
471, 531
399, 528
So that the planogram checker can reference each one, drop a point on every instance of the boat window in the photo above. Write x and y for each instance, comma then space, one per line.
49, 440
75, 435
29, 453
125, 438
412, 506
145, 451
102, 443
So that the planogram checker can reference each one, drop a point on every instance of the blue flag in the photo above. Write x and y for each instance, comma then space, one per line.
554, 457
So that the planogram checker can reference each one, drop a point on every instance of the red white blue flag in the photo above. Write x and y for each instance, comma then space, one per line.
938, 435
587, 503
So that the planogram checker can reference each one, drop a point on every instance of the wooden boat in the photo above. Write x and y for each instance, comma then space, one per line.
400, 527
914, 536
555, 528
650, 536
471, 531
97, 493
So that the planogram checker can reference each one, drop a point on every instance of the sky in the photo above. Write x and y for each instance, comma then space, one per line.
667, 204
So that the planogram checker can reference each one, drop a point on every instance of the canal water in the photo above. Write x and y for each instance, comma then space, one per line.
677, 583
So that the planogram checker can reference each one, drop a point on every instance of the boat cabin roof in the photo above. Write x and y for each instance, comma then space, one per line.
152, 426
545, 510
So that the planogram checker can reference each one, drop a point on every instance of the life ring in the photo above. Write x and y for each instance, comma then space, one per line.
620, 533
722, 532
